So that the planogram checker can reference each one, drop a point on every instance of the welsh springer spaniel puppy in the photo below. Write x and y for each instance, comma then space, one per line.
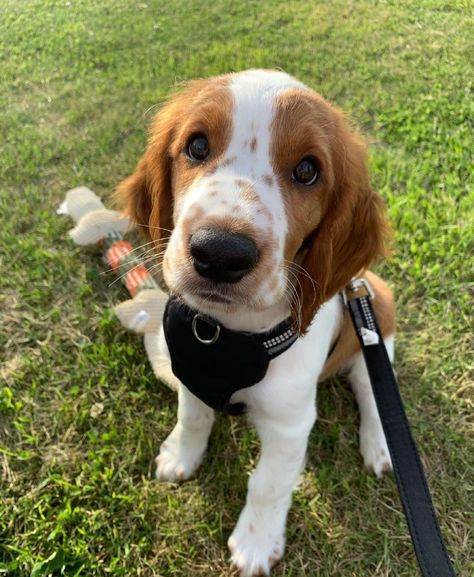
255, 191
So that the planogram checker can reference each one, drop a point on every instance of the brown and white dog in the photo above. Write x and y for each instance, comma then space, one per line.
255, 190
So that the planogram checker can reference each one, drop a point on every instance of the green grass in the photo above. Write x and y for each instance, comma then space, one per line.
81, 415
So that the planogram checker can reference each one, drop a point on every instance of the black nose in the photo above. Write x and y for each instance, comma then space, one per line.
221, 255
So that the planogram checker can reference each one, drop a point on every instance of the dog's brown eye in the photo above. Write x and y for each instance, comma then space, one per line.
306, 172
198, 148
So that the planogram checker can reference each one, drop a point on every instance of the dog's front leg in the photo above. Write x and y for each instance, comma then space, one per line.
258, 540
182, 452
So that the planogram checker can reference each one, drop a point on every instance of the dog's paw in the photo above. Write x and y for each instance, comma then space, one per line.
374, 449
256, 544
179, 457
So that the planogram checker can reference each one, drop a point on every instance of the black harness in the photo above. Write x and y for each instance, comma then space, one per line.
214, 362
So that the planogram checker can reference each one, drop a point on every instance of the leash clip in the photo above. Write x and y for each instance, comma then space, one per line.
355, 285
210, 341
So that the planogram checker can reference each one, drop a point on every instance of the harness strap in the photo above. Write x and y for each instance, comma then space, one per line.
412, 485
214, 362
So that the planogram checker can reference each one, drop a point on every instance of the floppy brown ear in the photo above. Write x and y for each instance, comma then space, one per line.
352, 234
134, 194
146, 194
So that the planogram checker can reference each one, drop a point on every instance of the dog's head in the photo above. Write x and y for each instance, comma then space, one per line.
255, 190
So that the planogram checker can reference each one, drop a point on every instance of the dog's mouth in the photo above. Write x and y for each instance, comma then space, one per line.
214, 296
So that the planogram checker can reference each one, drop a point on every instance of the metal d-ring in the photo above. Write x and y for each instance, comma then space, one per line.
210, 341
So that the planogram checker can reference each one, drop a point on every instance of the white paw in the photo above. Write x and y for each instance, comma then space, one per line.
374, 449
256, 543
179, 456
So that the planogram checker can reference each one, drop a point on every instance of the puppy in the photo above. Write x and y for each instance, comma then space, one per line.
255, 192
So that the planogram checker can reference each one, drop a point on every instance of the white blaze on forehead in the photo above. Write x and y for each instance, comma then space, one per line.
254, 93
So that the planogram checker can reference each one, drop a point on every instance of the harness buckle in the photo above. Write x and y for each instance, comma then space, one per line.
355, 285
214, 338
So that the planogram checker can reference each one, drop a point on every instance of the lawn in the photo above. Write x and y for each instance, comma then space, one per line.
81, 414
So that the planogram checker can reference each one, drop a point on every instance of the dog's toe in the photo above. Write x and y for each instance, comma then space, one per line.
255, 545
178, 460
374, 449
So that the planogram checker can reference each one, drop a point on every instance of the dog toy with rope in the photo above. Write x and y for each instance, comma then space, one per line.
142, 313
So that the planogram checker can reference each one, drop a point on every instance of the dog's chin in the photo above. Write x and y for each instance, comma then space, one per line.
213, 298
210, 301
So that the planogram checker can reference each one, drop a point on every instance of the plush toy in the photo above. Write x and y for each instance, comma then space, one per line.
144, 311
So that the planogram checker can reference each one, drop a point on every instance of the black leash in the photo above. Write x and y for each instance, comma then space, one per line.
415, 496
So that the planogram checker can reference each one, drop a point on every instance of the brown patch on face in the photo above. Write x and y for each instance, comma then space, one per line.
268, 179
248, 194
253, 144
339, 218
210, 115
165, 173
347, 342
211, 170
299, 130
195, 212
212, 193
227, 162
263, 210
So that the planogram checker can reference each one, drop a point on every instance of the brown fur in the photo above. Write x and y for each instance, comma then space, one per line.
148, 194
340, 219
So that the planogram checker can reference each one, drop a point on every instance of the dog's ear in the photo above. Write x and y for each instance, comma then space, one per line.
135, 195
353, 232
147, 193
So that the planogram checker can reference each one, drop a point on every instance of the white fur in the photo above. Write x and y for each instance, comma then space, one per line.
283, 405
283, 409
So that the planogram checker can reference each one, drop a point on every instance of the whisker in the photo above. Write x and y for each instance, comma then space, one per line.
149, 253
291, 293
151, 226
299, 269
156, 267
290, 300
302, 270
139, 264
295, 296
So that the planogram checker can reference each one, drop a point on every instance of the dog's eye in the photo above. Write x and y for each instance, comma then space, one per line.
306, 172
198, 148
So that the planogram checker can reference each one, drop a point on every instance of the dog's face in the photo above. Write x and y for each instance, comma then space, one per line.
246, 174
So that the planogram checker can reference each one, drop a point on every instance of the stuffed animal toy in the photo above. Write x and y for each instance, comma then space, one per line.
142, 313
